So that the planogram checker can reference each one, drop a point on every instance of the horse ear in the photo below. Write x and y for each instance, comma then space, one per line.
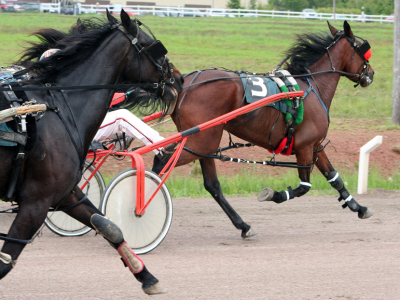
110, 18
347, 30
332, 29
126, 20
79, 23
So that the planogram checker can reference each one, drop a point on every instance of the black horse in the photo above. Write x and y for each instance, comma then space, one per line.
106, 53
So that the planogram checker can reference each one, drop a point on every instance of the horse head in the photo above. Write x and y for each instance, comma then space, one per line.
356, 53
148, 62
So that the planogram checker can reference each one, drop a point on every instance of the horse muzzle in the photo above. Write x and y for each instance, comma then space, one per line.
367, 79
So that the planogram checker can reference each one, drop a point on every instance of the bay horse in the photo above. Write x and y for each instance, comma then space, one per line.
205, 97
107, 53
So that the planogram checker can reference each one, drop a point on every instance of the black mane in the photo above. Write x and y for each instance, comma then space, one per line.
75, 46
306, 51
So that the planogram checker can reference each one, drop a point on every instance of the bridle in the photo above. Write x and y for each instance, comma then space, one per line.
363, 50
154, 52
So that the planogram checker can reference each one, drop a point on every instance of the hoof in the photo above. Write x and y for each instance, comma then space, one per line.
265, 195
366, 214
251, 232
155, 289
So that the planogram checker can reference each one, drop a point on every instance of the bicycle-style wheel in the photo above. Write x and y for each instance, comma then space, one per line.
143, 233
64, 225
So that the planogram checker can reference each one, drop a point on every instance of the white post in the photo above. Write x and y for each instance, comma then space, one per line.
364, 163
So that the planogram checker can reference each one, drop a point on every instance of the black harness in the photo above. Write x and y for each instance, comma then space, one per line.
154, 52
362, 50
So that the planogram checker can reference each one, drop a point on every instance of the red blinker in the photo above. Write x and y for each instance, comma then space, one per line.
368, 54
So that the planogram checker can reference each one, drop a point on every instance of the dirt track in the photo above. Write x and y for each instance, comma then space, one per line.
308, 248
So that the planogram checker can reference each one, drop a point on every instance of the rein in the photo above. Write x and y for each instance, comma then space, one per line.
269, 75
48, 87
361, 50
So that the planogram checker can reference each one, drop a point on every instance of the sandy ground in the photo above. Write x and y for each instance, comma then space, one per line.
309, 248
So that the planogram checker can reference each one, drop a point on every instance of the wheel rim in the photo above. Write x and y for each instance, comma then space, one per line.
61, 222
142, 233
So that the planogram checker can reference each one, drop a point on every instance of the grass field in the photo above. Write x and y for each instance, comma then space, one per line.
237, 44
245, 44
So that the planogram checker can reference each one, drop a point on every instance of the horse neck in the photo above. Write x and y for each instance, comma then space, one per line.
328, 82
102, 67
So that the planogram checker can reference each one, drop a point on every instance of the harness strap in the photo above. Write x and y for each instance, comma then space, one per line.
183, 97
16, 171
289, 139
6, 258
310, 88
57, 111
70, 206
4, 237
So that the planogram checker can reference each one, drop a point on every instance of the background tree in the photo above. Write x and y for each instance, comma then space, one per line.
234, 4
252, 4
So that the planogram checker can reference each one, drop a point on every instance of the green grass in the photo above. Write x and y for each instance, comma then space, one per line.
237, 44
247, 44
249, 184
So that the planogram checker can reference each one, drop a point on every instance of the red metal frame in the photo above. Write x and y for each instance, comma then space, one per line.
136, 156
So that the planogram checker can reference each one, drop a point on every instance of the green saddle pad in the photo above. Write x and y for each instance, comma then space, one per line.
258, 88
4, 127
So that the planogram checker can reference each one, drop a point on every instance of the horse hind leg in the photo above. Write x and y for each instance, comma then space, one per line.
213, 186
27, 222
303, 159
336, 182
89, 215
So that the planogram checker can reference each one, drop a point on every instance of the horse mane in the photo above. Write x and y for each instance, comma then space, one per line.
48, 39
81, 38
75, 46
306, 51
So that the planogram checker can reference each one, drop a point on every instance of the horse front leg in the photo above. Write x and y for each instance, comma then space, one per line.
89, 215
27, 222
212, 185
336, 182
304, 158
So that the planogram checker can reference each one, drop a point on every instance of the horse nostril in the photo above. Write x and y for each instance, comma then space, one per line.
373, 72
182, 80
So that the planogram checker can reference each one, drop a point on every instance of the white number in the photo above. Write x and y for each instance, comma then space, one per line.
260, 82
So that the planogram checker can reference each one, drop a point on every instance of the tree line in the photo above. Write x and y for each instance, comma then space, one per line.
371, 7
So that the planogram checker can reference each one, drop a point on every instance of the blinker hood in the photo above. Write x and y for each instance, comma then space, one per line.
365, 50
157, 50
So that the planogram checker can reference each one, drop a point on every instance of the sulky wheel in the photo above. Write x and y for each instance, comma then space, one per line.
64, 225
143, 233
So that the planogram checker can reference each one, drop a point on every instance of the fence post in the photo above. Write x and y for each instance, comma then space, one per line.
364, 163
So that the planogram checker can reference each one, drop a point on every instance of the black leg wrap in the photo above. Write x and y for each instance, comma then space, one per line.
146, 278
4, 269
352, 204
337, 182
283, 196
107, 229
301, 190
